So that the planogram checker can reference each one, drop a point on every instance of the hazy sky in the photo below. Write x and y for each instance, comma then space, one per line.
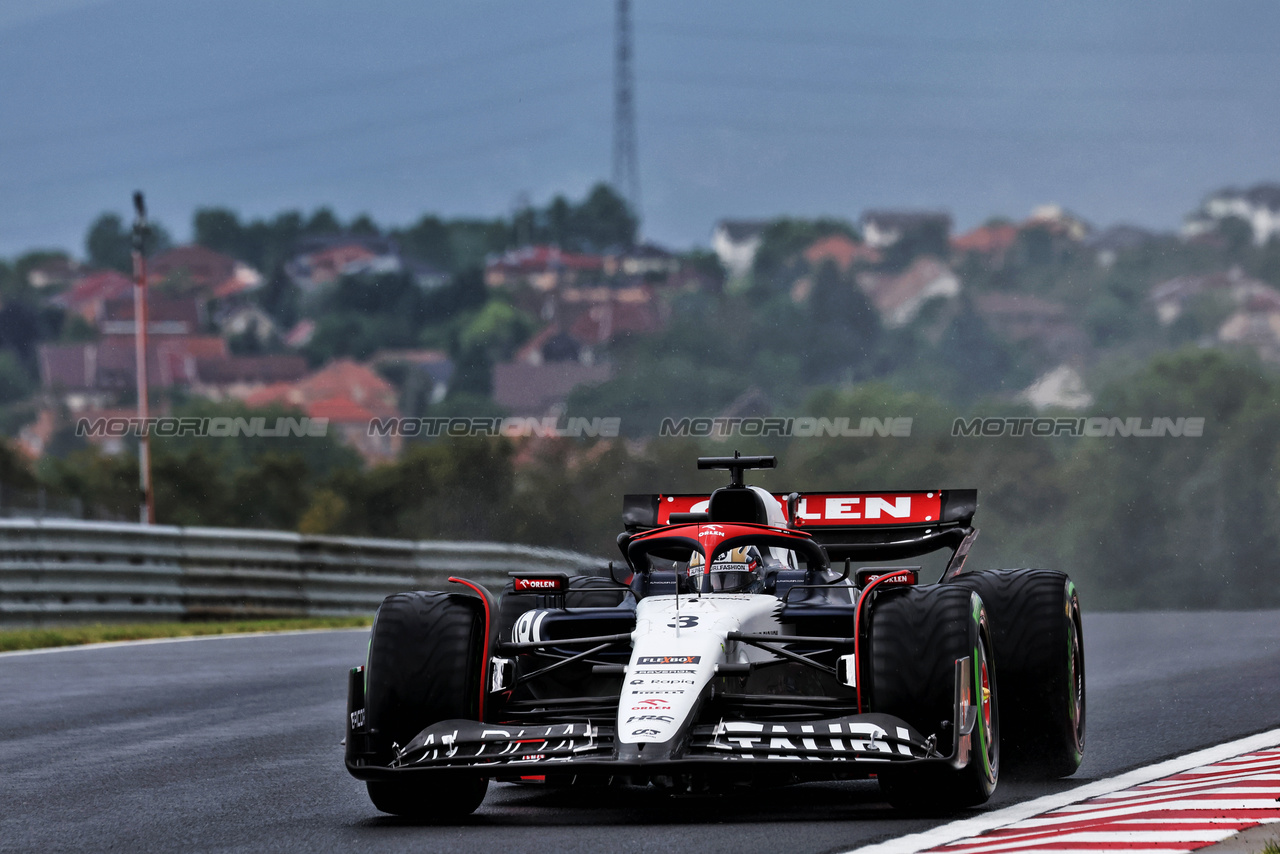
1122, 111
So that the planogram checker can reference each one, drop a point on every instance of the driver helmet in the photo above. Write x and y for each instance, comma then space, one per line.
735, 571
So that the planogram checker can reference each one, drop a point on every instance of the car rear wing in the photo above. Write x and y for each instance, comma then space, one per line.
849, 525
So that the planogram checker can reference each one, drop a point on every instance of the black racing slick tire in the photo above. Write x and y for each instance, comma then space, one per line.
424, 667
916, 636
1039, 642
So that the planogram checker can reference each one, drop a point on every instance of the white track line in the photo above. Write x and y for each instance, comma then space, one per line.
968, 827
145, 641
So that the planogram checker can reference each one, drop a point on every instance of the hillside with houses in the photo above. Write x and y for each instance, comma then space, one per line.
562, 312
520, 317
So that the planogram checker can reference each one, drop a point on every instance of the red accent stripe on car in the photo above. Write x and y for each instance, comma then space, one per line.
857, 615
488, 620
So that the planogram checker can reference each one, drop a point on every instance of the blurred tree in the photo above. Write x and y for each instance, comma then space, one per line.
450, 489
15, 469
977, 361
1108, 320
927, 238
706, 264
364, 226
427, 240
20, 331
106, 484
1182, 522
601, 221
1237, 233
321, 223
15, 382
263, 244
325, 515
360, 314
472, 375
272, 492
473, 240
280, 298
498, 329
845, 328
777, 262
466, 290
191, 487
219, 229
108, 243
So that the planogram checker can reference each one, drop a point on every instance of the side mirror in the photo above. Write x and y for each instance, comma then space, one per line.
613, 574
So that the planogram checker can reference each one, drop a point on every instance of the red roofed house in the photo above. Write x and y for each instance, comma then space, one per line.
165, 316
92, 374
340, 378
841, 250
993, 241
544, 267
352, 420
321, 260
210, 273
89, 293
237, 377
595, 316
350, 395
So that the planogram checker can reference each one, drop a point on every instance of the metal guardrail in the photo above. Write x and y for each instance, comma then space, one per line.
62, 571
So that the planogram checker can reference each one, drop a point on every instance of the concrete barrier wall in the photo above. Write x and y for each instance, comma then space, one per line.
57, 572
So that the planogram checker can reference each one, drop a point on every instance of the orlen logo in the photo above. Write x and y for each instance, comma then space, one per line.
901, 579
653, 703
883, 508
521, 585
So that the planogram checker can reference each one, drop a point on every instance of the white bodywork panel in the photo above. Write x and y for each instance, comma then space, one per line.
675, 652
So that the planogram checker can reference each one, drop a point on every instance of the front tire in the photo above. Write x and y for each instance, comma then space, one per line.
428, 801
916, 638
1039, 642
423, 668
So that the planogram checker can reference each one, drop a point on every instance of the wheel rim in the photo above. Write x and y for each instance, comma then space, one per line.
990, 738
986, 693
1075, 673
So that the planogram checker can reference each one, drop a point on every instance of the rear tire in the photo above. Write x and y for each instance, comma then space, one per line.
423, 668
1039, 645
916, 637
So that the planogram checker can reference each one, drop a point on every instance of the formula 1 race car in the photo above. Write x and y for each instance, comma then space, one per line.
750, 638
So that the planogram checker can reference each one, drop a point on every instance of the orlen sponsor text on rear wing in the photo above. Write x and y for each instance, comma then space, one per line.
827, 510
851, 525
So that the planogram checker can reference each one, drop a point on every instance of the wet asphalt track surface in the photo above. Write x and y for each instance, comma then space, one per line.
233, 745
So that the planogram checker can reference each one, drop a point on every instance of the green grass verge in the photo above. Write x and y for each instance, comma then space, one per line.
15, 639
1271, 848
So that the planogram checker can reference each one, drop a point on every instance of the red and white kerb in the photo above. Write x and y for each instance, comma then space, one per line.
1182, 812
